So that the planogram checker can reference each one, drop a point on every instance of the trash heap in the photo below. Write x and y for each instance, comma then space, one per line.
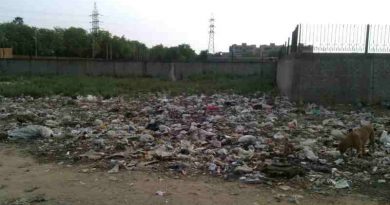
257, 139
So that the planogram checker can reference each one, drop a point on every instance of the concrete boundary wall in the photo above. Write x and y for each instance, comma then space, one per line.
335, 78
122, 68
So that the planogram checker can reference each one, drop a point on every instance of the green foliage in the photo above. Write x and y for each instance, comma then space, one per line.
158, 53
203, 56
77, 42
37, 86
50, 42
18, 20
18, 36
182, 53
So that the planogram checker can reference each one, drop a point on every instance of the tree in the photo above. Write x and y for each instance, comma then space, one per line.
18, 20
76, 42
50, 42
186, 53
203, 56
102, 43
19, 37
158, 53
181, 53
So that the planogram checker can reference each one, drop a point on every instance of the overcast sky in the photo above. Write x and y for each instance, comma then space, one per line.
172, 22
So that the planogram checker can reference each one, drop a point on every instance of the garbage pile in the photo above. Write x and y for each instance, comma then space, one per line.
258, 139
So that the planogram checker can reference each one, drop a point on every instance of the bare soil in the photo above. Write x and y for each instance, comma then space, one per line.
22, 178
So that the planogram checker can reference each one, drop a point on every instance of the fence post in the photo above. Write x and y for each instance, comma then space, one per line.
285, 47
299, 38
288, 46
367, 38
294, 40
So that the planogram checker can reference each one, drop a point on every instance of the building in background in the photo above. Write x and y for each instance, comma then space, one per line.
244, 50
263, 51
271, 50
249, 53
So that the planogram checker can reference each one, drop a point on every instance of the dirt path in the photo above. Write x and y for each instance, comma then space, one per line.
22, 177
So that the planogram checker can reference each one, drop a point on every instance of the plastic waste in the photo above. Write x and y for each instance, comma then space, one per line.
247, 139
342, 184
385, 139
309, 154
30, 132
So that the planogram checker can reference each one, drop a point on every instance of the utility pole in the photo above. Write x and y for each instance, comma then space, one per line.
36, 43
106, 50
367, 39
93, 46
110, 51
95, 27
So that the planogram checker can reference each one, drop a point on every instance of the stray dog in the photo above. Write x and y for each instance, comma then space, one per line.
357, 139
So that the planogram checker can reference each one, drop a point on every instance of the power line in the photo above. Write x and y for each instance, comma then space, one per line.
4, 9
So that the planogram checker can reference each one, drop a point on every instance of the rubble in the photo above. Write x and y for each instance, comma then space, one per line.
256, 139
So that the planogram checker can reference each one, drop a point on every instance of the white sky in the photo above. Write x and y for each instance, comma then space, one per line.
172, 22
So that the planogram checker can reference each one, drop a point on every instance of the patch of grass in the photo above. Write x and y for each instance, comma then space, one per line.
38, 86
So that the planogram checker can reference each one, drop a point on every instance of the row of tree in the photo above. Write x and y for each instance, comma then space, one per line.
77, 42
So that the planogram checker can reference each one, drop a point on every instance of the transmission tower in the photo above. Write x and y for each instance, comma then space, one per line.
211, 36
95, 27
95, 20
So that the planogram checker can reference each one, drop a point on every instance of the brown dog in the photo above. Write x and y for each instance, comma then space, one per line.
357, 139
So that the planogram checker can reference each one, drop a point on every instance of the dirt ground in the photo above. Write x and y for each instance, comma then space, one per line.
22, 177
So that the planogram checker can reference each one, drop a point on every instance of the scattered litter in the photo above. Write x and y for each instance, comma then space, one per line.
385, 139
339, 161
160, 193
247, 139
115, 169
381, 181
294, 199
254, 139
30, 132
285, 187
309, 154
255, 178
278, 136
342, 184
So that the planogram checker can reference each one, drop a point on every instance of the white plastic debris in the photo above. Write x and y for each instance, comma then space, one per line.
91, 98
337, 133
309, 154
247, 139
160, 193
339, 161
30, 132
115, 169
381, 181
342, 184
309, 142
278, 135
293, 124
285, 187
385, 139
243, 169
